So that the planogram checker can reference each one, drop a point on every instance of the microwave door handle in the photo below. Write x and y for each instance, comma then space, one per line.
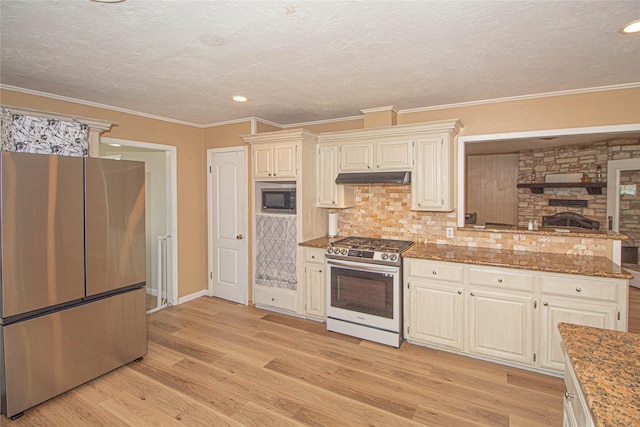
364, 267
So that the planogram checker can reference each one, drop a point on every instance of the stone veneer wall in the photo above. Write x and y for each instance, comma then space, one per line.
384, 211
572, 159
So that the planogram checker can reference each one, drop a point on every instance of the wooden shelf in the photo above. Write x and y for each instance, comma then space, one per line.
591, 187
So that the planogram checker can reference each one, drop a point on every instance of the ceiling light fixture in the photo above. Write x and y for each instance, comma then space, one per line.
239, 98
631, 28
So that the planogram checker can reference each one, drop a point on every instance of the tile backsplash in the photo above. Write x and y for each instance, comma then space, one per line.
384, 211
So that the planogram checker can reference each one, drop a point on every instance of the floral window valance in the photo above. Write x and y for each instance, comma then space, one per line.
43, 135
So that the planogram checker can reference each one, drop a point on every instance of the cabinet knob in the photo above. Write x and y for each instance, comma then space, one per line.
568, 395
313, 257
546, 304
434, 272
377, 166
472, 294
578, 289
499, 280
459, 292
419, 203
320, 271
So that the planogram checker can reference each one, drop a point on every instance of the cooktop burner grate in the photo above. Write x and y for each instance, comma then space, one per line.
370, 244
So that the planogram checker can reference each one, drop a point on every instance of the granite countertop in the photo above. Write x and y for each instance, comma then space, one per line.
536, 261
320, 242
607, 366
548, 231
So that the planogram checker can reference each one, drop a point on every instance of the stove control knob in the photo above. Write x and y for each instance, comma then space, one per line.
344, 251
385, 256
393, 257
329, 250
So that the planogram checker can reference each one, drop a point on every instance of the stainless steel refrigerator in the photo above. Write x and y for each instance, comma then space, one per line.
72, 273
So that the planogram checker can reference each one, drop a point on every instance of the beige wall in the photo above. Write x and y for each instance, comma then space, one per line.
567, 111
191, 163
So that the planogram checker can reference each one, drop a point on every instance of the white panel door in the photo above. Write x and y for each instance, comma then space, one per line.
228, 249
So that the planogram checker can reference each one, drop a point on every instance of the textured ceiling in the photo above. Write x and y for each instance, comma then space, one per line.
302, 61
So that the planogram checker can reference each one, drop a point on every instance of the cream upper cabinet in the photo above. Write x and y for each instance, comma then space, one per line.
394, 154
432, 181
330, 194
357, 157
382, 155
277, 160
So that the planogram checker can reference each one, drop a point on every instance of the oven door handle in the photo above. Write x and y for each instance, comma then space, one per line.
364, 267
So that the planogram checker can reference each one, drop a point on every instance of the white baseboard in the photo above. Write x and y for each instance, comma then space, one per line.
187, 298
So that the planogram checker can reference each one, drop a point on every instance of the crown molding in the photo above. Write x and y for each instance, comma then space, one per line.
523, 97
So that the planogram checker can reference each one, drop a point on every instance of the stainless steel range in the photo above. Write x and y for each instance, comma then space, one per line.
364, 288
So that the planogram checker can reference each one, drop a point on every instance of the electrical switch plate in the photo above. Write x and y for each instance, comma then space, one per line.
449, 232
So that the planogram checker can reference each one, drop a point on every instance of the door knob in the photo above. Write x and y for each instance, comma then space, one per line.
239, 237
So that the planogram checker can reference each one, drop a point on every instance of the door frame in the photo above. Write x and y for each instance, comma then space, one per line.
614, 167
172, 181
210, 219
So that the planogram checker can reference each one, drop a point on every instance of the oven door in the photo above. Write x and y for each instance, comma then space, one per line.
363, 293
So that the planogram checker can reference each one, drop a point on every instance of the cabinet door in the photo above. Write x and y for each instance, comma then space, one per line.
394, 154
436, 313
326, 175
431, 183
315, 289
501, 325
356, 157
262, 160
284, 160
330, 194
555, 311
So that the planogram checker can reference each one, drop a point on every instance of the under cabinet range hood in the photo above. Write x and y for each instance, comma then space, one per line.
402, 177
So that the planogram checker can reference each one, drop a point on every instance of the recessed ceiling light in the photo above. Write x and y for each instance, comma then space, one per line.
239, 98
631, 28
115, 145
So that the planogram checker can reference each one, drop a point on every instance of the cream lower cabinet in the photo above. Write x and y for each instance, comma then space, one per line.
587, 301
505, 314
500, 325
435, 305
576, 412
436, 314
314, 282
556, 310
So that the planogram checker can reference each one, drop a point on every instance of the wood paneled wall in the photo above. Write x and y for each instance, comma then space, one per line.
491, 188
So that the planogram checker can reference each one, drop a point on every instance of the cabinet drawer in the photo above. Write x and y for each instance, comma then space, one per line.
501, 278
314, 255
436, 270
276, 297
583, 287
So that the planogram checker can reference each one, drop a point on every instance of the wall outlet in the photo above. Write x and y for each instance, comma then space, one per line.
449, 231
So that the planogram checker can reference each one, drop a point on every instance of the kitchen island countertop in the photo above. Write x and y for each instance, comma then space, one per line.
537, 261
607, 366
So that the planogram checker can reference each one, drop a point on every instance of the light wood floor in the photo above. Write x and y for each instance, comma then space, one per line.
216, 363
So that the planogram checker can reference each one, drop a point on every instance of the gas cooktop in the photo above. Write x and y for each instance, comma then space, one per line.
383, 251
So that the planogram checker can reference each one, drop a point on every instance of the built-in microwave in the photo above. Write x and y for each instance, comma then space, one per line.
279, 200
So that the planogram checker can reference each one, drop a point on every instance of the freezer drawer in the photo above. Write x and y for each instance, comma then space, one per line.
42, 232
48, 355
115, 224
